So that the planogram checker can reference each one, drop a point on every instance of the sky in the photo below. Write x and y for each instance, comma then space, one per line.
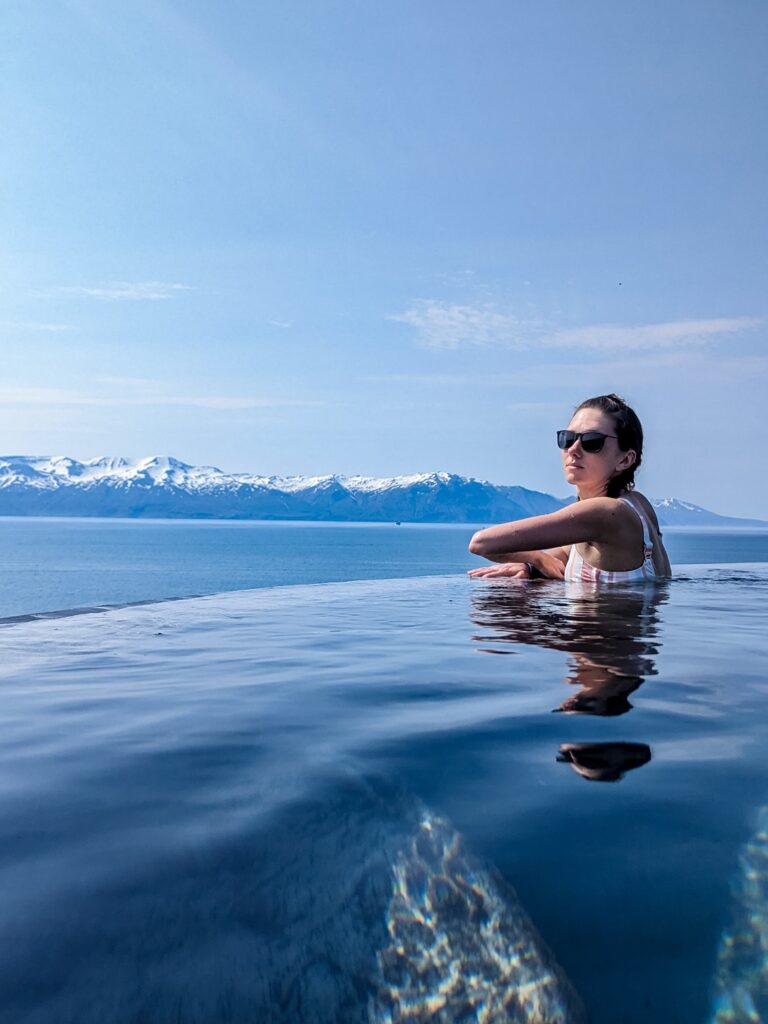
361, 237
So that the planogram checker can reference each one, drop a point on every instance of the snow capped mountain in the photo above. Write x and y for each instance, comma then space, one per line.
156, 468
164, 487
673, 512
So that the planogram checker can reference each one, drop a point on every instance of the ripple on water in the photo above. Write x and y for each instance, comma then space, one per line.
313, 804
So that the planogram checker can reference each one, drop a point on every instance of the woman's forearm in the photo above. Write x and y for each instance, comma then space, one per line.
514, 556
548, 564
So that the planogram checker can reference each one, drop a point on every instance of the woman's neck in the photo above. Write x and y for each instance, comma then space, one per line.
599, 490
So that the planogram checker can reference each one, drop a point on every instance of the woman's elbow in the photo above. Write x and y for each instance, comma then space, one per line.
478, 545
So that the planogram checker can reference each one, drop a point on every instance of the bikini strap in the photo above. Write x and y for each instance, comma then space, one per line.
647, 542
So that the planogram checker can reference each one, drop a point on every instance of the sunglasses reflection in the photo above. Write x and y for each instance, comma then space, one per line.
611, 637
604, 762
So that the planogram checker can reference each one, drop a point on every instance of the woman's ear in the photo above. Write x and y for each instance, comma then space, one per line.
628, 458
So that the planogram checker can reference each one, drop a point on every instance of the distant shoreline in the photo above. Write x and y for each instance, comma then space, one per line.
748, 527
163, 487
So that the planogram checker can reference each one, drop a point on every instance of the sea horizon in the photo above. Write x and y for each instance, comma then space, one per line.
61, 563
479, 524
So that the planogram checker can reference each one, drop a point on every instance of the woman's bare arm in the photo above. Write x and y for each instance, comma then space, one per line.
594, 519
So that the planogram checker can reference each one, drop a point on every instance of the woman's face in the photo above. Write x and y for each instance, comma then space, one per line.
591, 471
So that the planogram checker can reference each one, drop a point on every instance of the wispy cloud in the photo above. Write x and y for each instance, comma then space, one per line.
452, 326
457, 277
127, 291
24, 325
232, 402
564, 374
651, 336
442, 325
24, 396
559, 374
147, 384
284, 324
47, 396
416, 379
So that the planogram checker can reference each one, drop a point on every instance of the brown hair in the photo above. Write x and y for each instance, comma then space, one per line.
629, 433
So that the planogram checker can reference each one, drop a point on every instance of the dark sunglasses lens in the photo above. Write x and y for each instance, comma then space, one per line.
565, 438
592, 442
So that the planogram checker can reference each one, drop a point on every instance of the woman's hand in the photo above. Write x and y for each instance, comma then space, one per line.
515, 570
549, 565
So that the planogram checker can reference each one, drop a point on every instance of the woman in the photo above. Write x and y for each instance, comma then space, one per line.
611, 533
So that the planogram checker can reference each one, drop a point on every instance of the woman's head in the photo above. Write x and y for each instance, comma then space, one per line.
622, 451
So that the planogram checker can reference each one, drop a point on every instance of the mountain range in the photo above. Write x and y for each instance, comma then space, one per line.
164, 487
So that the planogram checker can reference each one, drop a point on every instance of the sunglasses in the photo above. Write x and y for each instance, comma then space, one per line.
592, 441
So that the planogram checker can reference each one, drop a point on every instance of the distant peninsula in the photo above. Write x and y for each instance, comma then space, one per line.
162, 487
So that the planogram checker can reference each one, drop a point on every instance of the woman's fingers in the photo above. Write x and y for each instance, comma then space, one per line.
514, 570
551, 568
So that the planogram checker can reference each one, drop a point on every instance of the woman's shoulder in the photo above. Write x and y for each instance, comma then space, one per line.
640, 501
660, 557
608, 508
610, 518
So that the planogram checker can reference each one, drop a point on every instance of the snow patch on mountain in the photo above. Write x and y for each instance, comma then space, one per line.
162, 486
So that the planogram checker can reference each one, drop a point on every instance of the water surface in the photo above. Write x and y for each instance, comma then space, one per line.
59, 564
526, 801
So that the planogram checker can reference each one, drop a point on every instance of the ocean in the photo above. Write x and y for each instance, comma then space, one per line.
61, 564
378, 791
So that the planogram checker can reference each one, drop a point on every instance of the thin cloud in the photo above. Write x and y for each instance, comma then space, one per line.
458, 277
234, 402
416, 379
563, 375
650, 336
127, 291
452, 326
22, 396
284, 324
752, 365
23, 325
147, 383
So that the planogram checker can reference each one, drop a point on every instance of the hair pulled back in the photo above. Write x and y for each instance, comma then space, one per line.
629, 432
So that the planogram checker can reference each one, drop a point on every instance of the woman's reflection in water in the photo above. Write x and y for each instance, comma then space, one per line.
604, 762
611, 637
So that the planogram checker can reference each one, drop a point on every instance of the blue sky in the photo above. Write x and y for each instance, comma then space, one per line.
387, 237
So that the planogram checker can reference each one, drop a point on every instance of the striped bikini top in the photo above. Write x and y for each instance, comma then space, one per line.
577, 569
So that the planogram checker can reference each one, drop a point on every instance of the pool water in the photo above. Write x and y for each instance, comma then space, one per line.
413, 799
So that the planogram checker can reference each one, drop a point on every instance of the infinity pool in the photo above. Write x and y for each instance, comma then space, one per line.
402, 800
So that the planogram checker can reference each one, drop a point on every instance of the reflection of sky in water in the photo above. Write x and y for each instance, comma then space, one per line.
216, 810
